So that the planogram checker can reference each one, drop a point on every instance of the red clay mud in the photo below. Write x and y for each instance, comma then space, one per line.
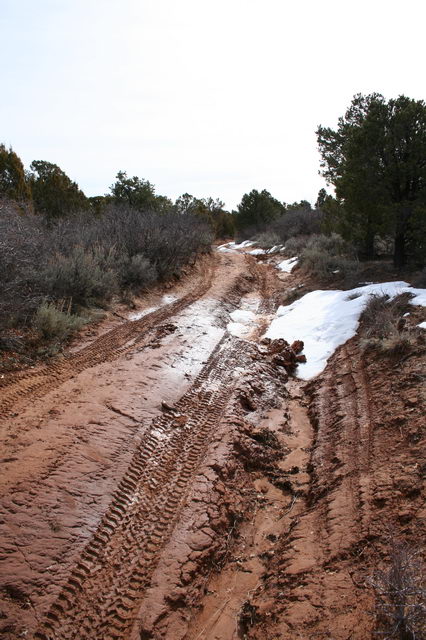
169, 481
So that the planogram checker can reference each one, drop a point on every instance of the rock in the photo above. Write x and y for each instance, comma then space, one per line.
297, 346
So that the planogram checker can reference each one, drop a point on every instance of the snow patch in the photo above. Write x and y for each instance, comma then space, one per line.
231, 247
422, 325
257, 252
242, 320
243, 316
325, 320
288, 265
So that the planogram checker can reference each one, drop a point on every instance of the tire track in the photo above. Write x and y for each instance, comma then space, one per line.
342, 474
36, 383
103, 593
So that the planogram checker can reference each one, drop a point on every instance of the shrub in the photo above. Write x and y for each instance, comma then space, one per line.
300, 222
90, 258
83, 275
294, 246
138, 272
267, 239
51, 323
328, 257
384, 328
401, 595
380, 315
324, 265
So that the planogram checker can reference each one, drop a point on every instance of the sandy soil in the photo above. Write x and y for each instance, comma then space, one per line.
168, 480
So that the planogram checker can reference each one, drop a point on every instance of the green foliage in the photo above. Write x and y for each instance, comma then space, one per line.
224, 225
209, 210
376, 161
52, 323
13, 183
321, 199
55, 194
257, 209
303, 205
98, 204
135, 192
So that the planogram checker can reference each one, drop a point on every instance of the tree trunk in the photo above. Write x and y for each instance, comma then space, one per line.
399, 257
369, 246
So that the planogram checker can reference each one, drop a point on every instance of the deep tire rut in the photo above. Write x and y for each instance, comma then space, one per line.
35, 383
343, 449
101, 598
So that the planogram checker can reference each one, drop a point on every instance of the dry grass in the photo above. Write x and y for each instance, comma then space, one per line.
401, 596
384, 328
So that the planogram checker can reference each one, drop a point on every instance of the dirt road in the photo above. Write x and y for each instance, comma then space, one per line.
97, 471
168, 480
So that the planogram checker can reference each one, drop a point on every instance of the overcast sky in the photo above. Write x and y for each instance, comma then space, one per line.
213, 98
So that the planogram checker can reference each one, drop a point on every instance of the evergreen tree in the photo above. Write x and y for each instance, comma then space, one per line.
135, 192
55, 194
376, 159
13, 183
256, 209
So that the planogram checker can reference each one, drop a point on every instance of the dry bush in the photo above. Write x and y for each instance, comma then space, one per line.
401, 596
383, 326
328, 257
85, 275
90, 258
138, 272
299, 222
294, 246
54, 324
267, 240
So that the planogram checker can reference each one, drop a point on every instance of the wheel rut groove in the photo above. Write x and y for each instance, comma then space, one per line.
102, 595
35, 383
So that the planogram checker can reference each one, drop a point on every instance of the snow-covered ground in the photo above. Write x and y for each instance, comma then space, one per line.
242, 321
231, 246
288, 265
326, 319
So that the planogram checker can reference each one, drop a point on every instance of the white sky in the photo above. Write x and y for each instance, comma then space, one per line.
213, 98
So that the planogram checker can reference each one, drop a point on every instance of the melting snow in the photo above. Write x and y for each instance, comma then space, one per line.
241, 322
326, 319
257, 252
245, 317
231, 246
167, 299
422, 325
288, 265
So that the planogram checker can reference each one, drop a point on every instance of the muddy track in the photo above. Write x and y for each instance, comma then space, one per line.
103, 593
343, 449
37, 382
